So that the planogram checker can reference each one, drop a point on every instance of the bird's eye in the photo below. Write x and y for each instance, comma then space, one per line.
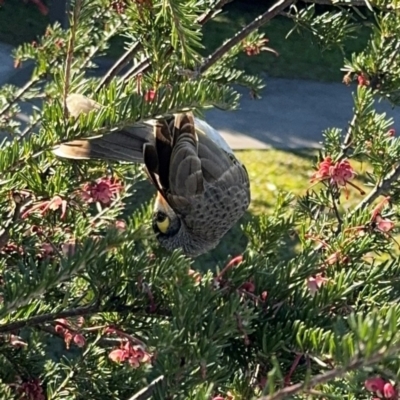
162, 222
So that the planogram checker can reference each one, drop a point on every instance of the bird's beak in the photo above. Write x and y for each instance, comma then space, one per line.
161, 203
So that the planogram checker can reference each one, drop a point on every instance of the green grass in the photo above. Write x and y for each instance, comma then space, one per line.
20, 23
299, 56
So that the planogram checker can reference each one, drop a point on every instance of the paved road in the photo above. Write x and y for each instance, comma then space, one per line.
291, 114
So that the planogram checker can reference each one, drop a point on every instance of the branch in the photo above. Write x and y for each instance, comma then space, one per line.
147, 392
70, 54
349, 3
40, 319
145, 65
379, 189
118, 66
139, 68
80, 311
19, 94
209, 14
348, 139
272, 12
5, 234
355, 364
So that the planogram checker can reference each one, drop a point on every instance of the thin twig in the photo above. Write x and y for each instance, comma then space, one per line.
352, 3
19, 94
5, 235
70, 53
335, 209
137, 69
209, 14
145, 65
147, 392
80, 311
252, 26
348, 139
349, 3
357, 363
40, 319
119, 65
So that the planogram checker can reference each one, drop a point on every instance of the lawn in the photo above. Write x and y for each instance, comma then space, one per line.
272, 171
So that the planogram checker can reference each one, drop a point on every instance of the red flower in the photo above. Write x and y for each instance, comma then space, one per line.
42, 8
363, 80
384, 225
149, 95
375, 384
62, 329
102, 191
117, 355
248, 287
389, 391
79, 340
391, 132
338, 174
134, 355
31, 390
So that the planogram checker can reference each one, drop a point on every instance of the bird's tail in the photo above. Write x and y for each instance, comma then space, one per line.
124, 145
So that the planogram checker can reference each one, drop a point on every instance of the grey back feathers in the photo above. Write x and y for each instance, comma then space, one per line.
202, 188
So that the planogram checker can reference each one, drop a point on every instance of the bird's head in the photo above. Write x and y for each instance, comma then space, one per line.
172, 233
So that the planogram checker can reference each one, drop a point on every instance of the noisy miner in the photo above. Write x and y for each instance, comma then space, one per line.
202, 189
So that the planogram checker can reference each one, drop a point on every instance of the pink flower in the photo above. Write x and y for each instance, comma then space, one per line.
117, 355
338, 174
102, 191
79, 340
363, 79
389, 391
315, 283
150, 95
384, 225
375, 384
120, 225
391, 132
16, 341
47, 249
62, 329
134, 355
53, 204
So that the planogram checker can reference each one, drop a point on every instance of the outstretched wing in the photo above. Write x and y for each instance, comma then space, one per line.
124, 145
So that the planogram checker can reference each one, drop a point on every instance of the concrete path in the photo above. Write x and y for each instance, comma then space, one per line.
291, 114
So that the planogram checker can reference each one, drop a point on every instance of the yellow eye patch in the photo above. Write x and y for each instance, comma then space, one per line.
163, 223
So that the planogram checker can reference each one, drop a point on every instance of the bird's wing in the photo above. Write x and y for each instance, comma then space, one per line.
185, 173
128, 144
123, 145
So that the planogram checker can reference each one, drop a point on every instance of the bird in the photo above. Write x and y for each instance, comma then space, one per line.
202, 188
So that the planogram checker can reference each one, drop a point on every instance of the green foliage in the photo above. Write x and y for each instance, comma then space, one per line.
313, 299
